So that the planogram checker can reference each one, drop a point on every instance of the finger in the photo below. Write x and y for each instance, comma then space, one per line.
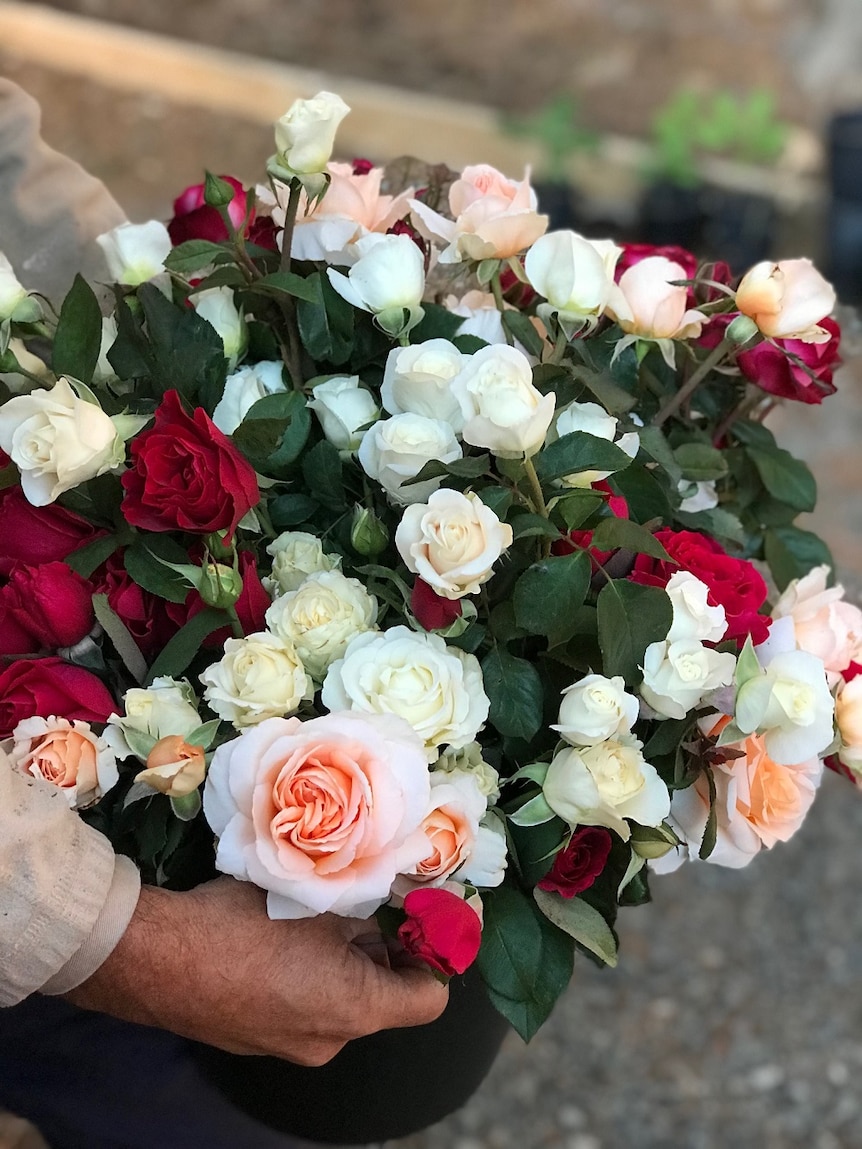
406, 996
373, 946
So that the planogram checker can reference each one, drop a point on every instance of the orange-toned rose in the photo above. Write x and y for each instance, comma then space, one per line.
174, 767
67, 755
451, 825
787, 300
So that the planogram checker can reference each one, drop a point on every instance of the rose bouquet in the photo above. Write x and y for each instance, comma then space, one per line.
387, 551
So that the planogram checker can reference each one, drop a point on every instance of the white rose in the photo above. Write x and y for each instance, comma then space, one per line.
305, 134
605, 784
16, 302
398, 448
596, 709
502, 410
163, 709
136, 252
700, 496
437, 689
791, 705
693, 617
296, 554
104, 372
469, 759
481, 316
452, 542
593, 420
388, 279
57, 441
14, 380
344, 409
418, 379
242, 390
489, 857
678, 675
68, 755
216, 305
321, 617
574, 274
258, 677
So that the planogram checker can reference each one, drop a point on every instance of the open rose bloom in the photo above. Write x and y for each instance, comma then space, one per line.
396, 555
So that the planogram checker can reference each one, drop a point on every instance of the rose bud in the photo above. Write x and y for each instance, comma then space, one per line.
219, 585
174, 767
441, 929
368, 534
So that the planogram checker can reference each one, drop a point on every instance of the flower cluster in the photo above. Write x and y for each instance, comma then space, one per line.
398, 555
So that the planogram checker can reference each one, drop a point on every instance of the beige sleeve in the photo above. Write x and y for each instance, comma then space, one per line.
51, 210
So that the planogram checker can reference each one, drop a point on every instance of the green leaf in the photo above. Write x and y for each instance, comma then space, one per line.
534, 812
710, 832
321, 470
525, 961
288, 283
91, 555
187, 351
645, 489
499, 499
186, 643
142, 563
577, 506
437, 323
721, 523
585, 924
515, 691
747, 665
578, 452
668, 735
130, 355
521, 329
699, 462
326, 322
613, 533
528, 525
194, 254
204, 734
792, 553
549, 594
187, 807
290, 510
78, 338
615, 400
470, 467
274, 431
786, 478
124, 644
630, 618
652, 441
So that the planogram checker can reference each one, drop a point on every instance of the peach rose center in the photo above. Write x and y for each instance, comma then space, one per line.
449, 834
65, 758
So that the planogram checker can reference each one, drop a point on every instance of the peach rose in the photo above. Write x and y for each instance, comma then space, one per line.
322, 814
451, 825
787, 300
648, 304
174, 767
823, 623
67, 755
493, 217
848, 717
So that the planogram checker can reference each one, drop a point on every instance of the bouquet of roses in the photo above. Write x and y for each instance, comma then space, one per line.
385, 550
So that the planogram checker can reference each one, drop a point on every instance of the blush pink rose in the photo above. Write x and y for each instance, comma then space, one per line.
823, 623
68, 755
322, 814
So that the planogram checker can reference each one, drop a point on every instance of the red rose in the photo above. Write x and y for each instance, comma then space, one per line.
634, 252
264, 233
433, 610
46, 686
770, 369
578, 865
150, 620
733, 583
195, 219
52, 603
581, 541
186, 475
37, 535
14, 639
441, 929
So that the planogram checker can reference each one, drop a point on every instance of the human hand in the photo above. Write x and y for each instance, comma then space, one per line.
210, 965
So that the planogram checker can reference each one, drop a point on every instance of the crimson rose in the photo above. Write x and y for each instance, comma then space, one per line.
186, 475
431, 609
195, 219
37, 535
733, 583
48, 686
150, 620
578, 864
51, 604
441, 929
773, 370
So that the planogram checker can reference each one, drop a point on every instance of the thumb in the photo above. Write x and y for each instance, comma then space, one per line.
406, 996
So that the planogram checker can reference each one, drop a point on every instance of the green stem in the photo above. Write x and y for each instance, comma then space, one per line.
562, 342
497, 291
235, 624
290, 223
290, 352
693, 382
539, 504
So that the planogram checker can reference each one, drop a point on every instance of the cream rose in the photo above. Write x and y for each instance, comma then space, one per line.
596, 709
606, 785
16, 302
242, 390
294, 555
322, 814
787, 300
305, 134
791, 705
493, 217
469, 759
648, 306
502, 410
388, 279
575, 275
437, 689
344, 409
174, 767
452, 542
136, 252
418, 380
216, 305
68, 755
848, 718
259, 676
167, 707
679, 675
593, 419
321, 617
397, 449
57, 441
823, 623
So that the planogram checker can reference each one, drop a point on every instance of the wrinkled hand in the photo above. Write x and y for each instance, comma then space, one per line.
210, 965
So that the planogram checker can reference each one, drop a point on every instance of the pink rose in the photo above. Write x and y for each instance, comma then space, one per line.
322, 814
648, 305
441, 929
823, 623
451, 825
67, 755
772, 369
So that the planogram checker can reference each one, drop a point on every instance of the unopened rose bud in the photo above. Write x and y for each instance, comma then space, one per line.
653, 842
174, 767
217, 547
220, 585
368, 535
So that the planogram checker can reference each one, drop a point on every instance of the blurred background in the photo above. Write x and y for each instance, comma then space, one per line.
732, 126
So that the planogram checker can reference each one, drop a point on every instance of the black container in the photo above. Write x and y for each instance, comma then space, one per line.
671, 214
844, 226
739, 227
560, 202
844, 144
381, 1087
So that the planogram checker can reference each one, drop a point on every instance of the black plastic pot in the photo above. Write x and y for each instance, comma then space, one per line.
739, 227
381, 1087
671, 214
844, 226
560, 202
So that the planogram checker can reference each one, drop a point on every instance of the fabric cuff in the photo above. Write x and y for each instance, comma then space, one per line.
109, 927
